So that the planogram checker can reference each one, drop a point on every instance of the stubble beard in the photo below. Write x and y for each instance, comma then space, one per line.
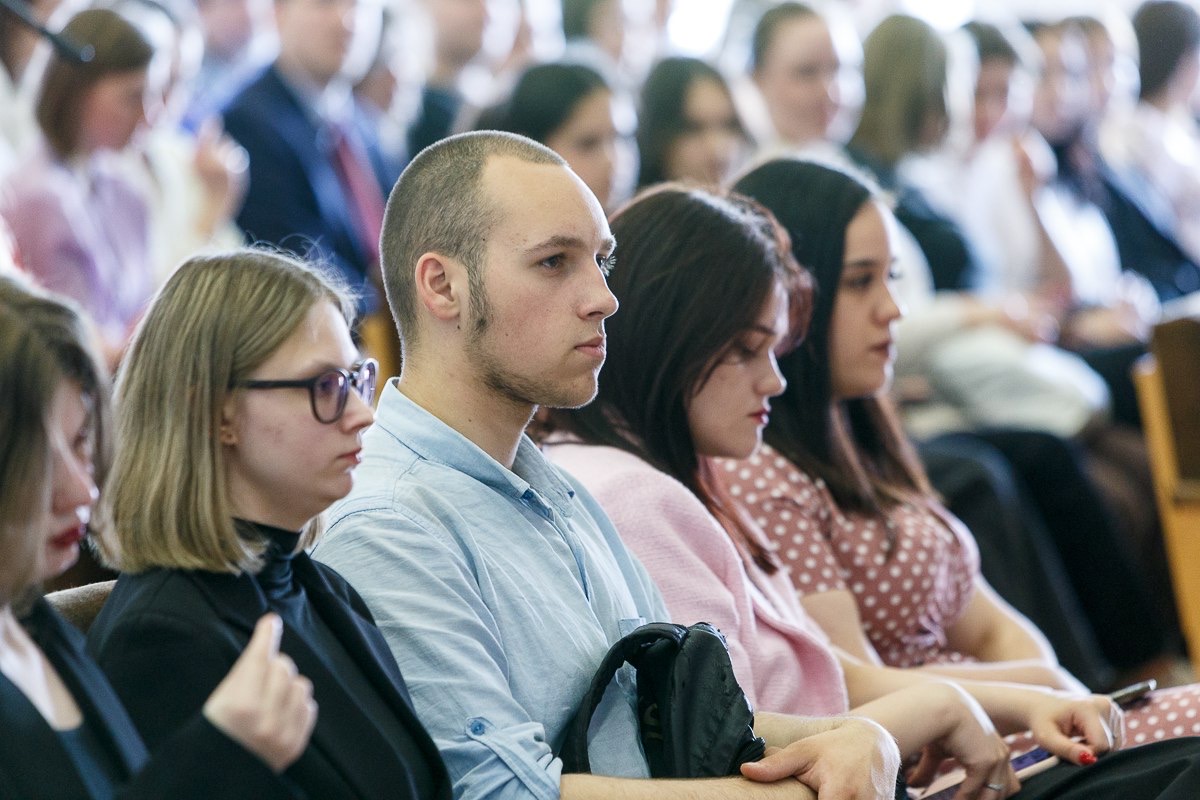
503, 381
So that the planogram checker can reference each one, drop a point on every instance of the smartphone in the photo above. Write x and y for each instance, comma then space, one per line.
1133, 693
1025, 765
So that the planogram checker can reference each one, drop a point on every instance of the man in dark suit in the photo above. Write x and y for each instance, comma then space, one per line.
317, 177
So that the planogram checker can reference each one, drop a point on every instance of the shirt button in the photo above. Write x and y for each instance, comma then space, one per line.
476, 728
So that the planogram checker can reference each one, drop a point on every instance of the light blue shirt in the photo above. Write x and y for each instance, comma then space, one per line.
499, 592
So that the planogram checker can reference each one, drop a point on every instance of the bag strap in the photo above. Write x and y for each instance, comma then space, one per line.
628, 648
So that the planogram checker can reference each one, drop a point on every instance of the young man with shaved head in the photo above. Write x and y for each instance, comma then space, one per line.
497, 580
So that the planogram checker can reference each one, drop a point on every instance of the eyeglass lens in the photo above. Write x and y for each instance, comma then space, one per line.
330, 391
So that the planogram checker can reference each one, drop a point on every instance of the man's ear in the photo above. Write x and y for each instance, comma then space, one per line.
441, 285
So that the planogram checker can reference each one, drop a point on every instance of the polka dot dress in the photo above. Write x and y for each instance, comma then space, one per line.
912, 575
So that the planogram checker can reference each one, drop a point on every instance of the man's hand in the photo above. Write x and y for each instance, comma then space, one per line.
855, 759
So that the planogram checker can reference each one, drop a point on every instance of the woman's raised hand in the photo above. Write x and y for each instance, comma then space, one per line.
263, 703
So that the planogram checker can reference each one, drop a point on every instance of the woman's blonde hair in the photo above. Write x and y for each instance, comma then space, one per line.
44, 340
214, 322
904, 77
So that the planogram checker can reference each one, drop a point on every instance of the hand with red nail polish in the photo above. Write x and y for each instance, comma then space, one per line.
1076, 729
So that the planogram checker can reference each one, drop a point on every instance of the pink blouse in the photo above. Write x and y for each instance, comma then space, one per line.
780, 656
81, 229
912, 574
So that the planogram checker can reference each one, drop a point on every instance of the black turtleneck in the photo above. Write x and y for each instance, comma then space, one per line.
276, 578
286, 597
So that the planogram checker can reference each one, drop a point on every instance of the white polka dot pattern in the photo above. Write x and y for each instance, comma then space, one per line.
909, 596
1165, 714
912, 574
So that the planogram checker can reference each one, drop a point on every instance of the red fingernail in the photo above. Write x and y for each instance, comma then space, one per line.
1087, 758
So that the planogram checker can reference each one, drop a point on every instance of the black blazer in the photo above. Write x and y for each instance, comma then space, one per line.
166, 638
34, 765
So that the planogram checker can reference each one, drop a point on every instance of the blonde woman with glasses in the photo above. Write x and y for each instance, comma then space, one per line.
241, 404
65, 733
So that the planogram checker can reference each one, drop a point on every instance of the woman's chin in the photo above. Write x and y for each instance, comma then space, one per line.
59, 560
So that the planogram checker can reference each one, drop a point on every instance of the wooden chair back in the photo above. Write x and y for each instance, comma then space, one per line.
1168, 388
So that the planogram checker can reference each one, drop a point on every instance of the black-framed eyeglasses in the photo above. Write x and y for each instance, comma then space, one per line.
329, 390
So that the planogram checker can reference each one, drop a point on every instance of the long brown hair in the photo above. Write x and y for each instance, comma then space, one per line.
855, 446
694, 271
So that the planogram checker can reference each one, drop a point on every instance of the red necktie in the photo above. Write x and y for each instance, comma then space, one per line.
363, 190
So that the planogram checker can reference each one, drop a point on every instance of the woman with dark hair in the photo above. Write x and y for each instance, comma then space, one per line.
80, 225
1168, 34
571, 109
688, 126
1047, 368
65, 733
690, 377
885, 570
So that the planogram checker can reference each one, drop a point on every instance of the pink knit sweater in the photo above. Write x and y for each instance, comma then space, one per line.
781, 658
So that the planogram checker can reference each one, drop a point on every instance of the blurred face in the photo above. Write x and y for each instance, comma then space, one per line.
284, 467
710, 146
861, 342
459, 27
1112, 73
315, 36
229, 26
728, 412
800, 80
73, 490
607, 27
1186, 79
538, 337
1063, 94
113, 111
589, 140
991, 96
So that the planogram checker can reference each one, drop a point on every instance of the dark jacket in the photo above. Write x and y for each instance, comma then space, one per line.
197, 762
166, 638
295, 199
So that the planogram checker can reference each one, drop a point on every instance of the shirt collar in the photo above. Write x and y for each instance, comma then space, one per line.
532, 479
329, 106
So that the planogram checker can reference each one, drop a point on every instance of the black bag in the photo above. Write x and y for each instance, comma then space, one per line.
693, 718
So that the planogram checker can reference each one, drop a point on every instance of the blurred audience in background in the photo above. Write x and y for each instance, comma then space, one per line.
572, 109
81, 226
317, 174
1045, 175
